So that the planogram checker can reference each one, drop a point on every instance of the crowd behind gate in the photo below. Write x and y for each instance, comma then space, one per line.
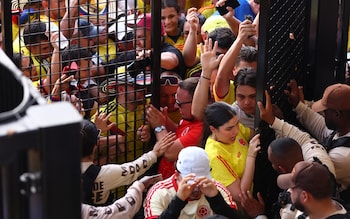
197, 155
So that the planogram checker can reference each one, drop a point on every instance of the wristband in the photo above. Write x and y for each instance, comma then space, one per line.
202, 76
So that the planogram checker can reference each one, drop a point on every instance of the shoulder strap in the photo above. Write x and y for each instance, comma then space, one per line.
340, 216
88, 180
327, 142
340, 142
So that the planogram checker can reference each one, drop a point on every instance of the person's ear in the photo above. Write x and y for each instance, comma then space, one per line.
28, 47
95, 150
304, 196
177, 175
282, 169
212, 129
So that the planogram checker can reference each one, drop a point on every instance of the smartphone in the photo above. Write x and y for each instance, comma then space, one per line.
231, 3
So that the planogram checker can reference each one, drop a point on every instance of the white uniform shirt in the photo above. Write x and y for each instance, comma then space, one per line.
112, 176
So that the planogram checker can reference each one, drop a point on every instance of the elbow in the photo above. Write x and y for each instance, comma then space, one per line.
171, 155
190, 62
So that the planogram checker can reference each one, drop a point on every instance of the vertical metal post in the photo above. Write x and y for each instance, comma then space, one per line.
156, 50
6, 27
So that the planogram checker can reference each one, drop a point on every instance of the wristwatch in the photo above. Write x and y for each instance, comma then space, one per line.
159, 128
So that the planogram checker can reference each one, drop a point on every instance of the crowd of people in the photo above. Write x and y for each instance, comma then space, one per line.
196, 155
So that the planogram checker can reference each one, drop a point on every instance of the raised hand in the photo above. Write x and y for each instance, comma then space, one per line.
254, 146
102, 121
154, 116
186, 187
61, 84
193, 19
208, 55
207, 186
296, 94
266, 113
246, 29
144, 133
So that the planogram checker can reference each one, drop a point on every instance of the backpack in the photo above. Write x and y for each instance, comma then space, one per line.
88, 180
330, 144
340, 216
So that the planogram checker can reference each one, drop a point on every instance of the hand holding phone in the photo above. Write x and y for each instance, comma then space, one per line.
229, 3
248, 17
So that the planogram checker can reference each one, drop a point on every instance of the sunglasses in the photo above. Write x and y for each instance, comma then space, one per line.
170, 80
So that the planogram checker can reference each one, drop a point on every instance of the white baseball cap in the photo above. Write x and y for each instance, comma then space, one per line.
195, 160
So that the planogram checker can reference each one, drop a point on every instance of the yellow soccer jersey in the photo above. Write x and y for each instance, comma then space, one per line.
141, 7
127, 122
107, 52
207, 11
179, 44
228, 160
230, 97
18, 46
205, 3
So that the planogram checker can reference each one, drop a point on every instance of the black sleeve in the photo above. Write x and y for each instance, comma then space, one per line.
174, 209
219, 206
181, 68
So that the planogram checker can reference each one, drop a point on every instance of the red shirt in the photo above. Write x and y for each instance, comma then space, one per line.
189, 134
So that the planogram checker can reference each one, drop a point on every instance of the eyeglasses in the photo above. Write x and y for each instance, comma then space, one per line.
181, 103
170, 80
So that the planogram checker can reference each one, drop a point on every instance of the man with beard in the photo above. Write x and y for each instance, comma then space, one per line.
310, 185
291, 146
332, 129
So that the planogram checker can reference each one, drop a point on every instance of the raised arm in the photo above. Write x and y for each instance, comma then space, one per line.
189, 52
309, 145
125, 207
55, 71
169, 60
230, 18
156, 119
67, 23
222, 82
209, 63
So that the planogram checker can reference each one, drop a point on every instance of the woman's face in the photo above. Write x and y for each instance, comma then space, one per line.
227, 132
170, 19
